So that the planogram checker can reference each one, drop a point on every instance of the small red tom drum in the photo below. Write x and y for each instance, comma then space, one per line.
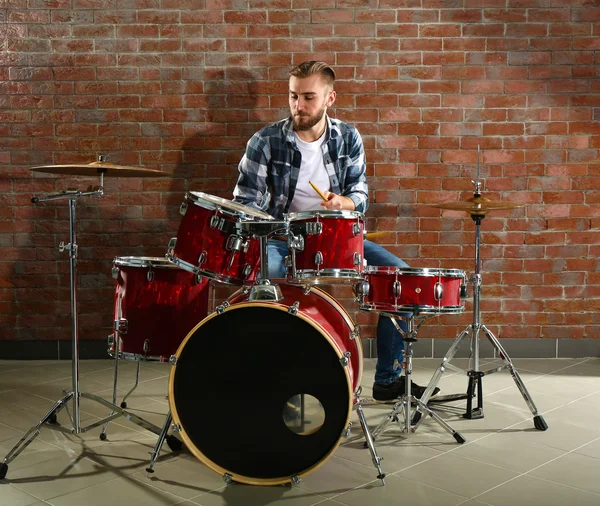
325, 247
257, 357
394, 289
156, 305
208, 241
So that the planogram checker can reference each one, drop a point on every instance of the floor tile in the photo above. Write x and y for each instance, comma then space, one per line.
560, 434
124, 491
11, 496
591, 449
585, 475
336, 476
500, 450
184, 476
458, 475
529, 491
38, 451
59, 476
396, 490
247, 495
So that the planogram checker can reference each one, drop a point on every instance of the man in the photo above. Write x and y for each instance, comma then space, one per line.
275, 171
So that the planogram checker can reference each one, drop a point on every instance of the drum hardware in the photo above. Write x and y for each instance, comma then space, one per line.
478, 207
293, 309
75, 395
345, 360
263, 289
404, 405
369, 439
314, 228
222, 307
295, 242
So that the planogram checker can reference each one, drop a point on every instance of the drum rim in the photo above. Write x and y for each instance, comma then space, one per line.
325, 213
414, 271
423, 309
227, 206
145, 262
213, 465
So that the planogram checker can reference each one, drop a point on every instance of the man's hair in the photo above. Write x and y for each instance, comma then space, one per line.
310, 68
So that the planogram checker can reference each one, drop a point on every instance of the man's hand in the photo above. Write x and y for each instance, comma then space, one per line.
338, 202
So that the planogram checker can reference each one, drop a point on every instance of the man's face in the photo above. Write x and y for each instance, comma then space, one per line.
309, 99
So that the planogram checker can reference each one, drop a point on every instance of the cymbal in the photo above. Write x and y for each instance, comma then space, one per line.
97, 168
477, 206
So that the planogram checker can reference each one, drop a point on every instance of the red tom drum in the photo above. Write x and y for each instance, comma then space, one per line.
257, 357
208, 241
394, 289
156, 305
325, 247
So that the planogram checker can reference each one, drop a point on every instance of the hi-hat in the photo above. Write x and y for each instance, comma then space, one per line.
100, 168
476, 206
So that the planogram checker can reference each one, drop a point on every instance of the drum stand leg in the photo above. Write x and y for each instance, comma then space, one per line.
50, 419
369, 442
161, 439
406, 401
474, 373
135, 385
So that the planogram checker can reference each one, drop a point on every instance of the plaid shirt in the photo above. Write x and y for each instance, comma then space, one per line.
270, 167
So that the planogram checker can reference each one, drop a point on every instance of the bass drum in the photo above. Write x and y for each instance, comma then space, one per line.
241, 371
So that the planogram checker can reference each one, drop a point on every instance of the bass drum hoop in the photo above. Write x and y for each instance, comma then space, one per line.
213, 465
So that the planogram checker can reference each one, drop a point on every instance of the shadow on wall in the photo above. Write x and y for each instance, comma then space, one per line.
221, 120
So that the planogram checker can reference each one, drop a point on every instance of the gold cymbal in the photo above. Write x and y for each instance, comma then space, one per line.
97, 168
477, 206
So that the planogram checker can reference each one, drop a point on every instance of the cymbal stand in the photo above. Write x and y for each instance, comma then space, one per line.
474, 372
405, 402
50, 419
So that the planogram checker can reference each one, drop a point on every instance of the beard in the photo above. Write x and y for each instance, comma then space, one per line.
303, 122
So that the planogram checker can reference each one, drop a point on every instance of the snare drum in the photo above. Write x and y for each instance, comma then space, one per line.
395, 289
257, 357
208, 241
156, 305
325, 247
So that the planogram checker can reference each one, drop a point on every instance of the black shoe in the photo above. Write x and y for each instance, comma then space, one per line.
392, 391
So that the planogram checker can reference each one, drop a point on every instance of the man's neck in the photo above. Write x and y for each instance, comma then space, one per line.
314, 133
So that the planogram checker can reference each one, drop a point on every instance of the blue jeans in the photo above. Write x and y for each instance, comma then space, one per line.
390, 344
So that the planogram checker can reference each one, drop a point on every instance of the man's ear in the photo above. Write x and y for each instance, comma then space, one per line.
331, 98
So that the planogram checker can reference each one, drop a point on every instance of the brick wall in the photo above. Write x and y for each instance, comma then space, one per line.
180, 86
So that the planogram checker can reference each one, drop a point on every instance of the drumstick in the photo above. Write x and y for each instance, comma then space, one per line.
316, 188
375, 235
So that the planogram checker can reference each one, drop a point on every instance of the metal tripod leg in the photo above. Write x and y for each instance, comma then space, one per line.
135, 385
538, 420
369, 442
442, 368
34, 432
404, 405
159, 443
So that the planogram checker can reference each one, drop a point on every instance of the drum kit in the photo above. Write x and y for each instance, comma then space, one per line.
273, 345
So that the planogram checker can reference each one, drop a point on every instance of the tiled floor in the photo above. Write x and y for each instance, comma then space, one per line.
505, 461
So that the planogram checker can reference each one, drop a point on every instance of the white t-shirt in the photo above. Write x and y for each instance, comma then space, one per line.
312, 168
